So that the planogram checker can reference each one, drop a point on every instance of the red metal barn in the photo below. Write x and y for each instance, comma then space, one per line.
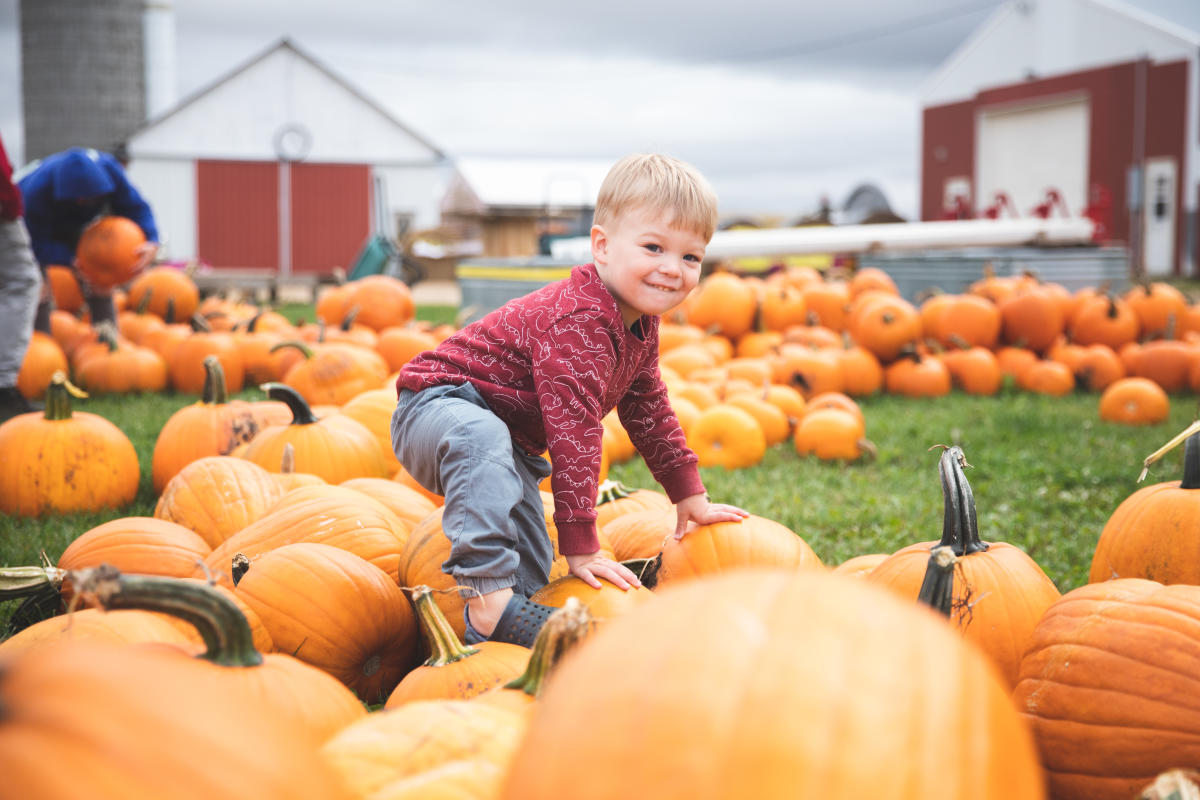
1077, 107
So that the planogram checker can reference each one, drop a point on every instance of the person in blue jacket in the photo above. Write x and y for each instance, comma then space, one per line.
62, 196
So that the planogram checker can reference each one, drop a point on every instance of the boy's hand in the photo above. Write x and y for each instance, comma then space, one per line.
697, 509
590, 566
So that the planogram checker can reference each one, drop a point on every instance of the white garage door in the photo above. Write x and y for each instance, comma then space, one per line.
1026, 151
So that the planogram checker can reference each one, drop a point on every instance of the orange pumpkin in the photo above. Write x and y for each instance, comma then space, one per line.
334, 610
604, 603
1134, 401
1103, 685
727, 436
84, 463
753, 542
168, 293
334, 447
771, 674
79, 702
43, 358
454, 671
999, 592
217, 496
107, 253
142, 545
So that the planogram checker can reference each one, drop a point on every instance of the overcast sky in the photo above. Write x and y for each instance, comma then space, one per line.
778, 102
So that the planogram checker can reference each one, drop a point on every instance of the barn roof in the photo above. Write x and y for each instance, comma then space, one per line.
282, 91
1023, 38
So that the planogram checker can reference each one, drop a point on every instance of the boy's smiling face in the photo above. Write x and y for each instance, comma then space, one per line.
647, 265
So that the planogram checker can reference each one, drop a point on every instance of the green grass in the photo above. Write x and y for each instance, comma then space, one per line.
1046, 475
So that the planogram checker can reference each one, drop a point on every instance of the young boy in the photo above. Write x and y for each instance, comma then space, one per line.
538, 374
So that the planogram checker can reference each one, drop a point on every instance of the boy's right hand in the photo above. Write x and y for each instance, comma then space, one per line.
589, 567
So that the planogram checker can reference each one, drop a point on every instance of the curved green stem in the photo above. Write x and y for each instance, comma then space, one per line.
58, 397
444, 645
221, 624
215, 390
564, 629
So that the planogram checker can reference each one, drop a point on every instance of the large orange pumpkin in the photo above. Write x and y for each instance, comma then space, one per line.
769, 684
334, 610
1108, 684
137, 722
999, 591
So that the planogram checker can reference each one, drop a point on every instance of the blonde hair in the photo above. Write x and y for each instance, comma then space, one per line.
659, 184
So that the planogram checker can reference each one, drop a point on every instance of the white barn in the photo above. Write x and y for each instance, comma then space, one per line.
283, 165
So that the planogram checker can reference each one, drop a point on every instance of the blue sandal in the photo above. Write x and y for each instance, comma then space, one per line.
519, 624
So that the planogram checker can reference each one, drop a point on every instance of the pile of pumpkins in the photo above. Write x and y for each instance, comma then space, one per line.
278, 634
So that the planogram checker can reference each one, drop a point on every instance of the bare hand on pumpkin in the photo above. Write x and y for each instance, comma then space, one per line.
697, 510
590, 567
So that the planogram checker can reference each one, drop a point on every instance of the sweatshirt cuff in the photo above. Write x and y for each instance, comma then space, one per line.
577, 538
683, 481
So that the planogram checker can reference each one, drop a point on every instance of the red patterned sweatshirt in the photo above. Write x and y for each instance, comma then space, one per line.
551, 364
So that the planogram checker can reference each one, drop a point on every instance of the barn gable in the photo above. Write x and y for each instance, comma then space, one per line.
1023, 39
282, 104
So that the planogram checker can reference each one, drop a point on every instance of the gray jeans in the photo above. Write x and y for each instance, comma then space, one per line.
20, 284
451, 442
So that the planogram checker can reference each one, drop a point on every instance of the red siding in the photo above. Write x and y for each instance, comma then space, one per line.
331, 215
947, 151
1111, 92
237, 216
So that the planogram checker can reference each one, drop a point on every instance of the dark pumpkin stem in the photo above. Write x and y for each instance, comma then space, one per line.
221, 624
199, 324
564, 629
937, 589
348, 320
169, 317
444, 645
1191, 463
301, 413
215, 390
646, 569
960, 528
239, 567
144, 303
58, 397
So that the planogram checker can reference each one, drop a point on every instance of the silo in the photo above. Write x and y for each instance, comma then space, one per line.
83, 82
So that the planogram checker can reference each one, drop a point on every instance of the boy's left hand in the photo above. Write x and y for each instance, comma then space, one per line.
589, 567
699, 510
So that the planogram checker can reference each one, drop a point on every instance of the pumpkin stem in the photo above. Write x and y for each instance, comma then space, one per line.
144, 303
199, 324
444, 644
215, 390
960, 528
646, 569
21, 581
611, 490
299, 345
1183, 435
565, 628
348, 320
221, 624
58, 397
239, 568
937, 589
1191, 463
301, 413
169, 317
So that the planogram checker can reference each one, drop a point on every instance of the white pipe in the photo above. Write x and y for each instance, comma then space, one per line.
868, 238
